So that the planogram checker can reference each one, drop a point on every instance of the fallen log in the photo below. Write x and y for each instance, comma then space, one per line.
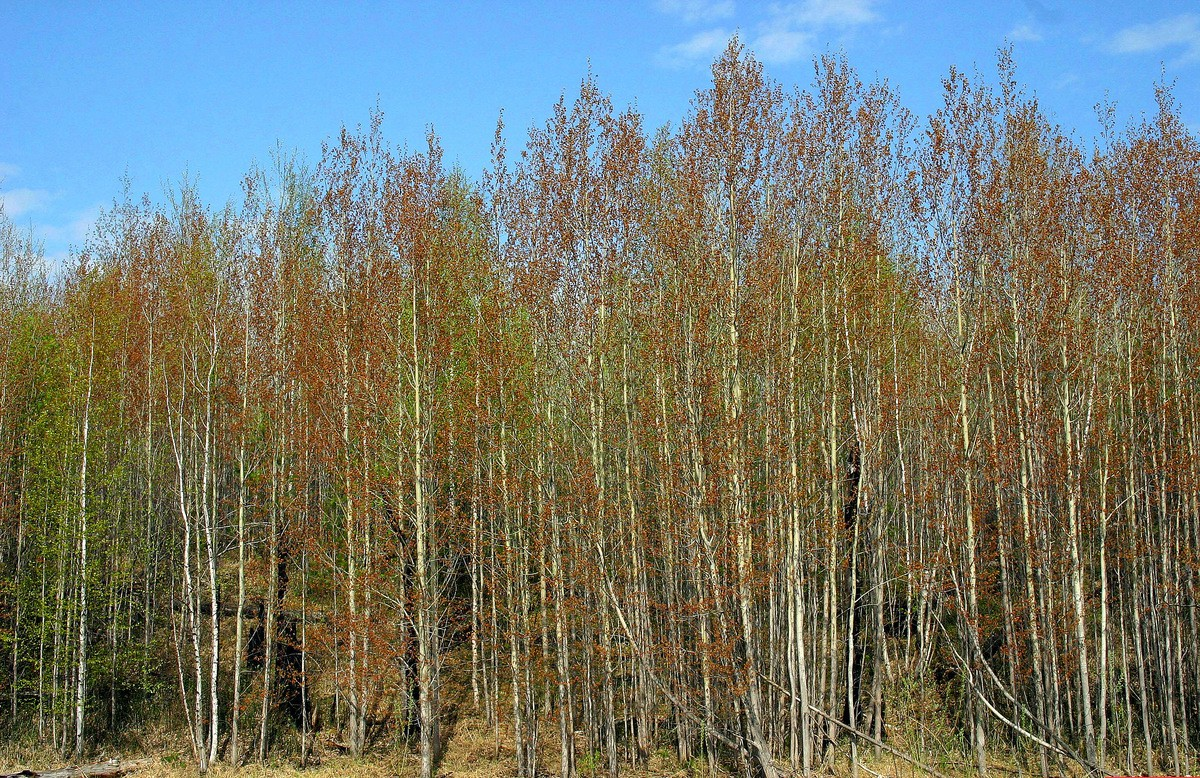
113, 768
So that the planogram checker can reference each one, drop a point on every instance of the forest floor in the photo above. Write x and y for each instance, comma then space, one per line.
473, 749
471, 752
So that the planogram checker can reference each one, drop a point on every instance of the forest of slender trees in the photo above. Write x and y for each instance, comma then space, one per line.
802, 432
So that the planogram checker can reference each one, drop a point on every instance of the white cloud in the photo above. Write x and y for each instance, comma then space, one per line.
786, 32
18, 202
73, 231
1024, 33
1181, 31
701, 47
782, 45
697, 11
1065, 80
833, 13
791, 29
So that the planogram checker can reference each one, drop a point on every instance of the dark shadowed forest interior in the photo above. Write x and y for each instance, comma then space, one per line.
801, 433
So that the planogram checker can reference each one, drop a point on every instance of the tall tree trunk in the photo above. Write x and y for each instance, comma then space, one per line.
81, 672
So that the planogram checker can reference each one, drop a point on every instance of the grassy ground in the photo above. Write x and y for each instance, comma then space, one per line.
471, 752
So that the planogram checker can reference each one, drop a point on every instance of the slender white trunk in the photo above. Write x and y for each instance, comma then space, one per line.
235, 754
427, 584
208, 508
81, 671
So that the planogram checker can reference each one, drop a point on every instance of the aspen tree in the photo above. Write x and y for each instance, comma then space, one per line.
81, 672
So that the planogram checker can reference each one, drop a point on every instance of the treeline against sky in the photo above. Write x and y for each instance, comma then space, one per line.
800, 431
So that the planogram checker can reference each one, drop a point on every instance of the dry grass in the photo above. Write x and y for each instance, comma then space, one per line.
171, 766
331, 768
472, 751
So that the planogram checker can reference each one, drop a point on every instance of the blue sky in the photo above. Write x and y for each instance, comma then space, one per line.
90, 92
